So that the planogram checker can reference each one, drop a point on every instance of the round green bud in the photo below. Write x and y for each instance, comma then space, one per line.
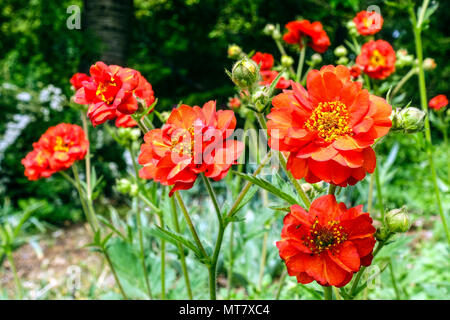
234, 51
316, 58
134, 190
340, 51
342, 60
269, 29
382, 234
123, 185
245, 73
398, 220
287, 61
408, 120
429, 64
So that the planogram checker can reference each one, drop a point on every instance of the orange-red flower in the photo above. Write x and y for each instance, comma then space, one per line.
438, 102
267, 76
194, 140
368, 23
327, 244
355, 71
77, 80
111, 89
329, 128
234, 102
377, 58
265, 60
303, 32
57, 149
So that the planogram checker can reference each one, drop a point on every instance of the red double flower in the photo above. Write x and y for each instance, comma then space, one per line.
304, 32
57, 149
328, 244
112, 91
77, 80
368, 23
438, 102
265, 61
377, 58
328, 128
193, 141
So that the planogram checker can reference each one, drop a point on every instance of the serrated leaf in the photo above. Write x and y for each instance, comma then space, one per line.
248, 196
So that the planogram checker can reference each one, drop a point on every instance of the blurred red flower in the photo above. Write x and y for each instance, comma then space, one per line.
368, 23
329, 128
111, 89
57, 149
193, 141
77, 80
265, 60
377, 58
269, 75
438, 102
299, 31
327, 244
234, 102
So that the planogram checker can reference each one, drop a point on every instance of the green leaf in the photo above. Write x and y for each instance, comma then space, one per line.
248, 196
269, 187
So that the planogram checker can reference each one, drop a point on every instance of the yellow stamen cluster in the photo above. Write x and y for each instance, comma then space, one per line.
60, 145
102, 87
330, 120
323, 238
377, 59
183, 142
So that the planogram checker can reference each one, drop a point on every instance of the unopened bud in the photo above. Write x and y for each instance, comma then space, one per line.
398, 220
382, 234
340, 51
352, 28
123, 185
316, 58
269, 29
409, 120
245, 73
287, 61
134, 190
429, 64
234, 51
342, 60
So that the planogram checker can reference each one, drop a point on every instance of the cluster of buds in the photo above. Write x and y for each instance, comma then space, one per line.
125, 186
272, 31
351, 27
341, 53
403, 59
408, 120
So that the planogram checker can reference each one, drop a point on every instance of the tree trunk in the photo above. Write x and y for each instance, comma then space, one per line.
110, 23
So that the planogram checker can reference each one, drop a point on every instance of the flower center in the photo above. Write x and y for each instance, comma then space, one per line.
183, 141
60, 145
40, 158
103, 88
377, 59
322, 238
329, 120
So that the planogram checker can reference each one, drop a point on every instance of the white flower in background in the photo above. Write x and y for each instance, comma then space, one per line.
13, 130
23, 96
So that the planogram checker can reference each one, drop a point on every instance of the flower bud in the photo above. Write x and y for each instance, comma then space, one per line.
134, 190
269, 29
342, 60
382, 234
245, 73
351, 26
316, 58
287, 61
123, 185
429, 64
164, 116
398, 220
409, 119
234, 51
340, 51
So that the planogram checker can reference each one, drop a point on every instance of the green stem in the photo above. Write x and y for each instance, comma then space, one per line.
394, 283
280, 285
15, 274
86, 203
417, 28
190, 224
180, 249
283, 53
331, 188
113, 270
379, 194
139, 228
400, 84
163, 260
301, 61
262, 264
213, 196
88, 155
231, 259
327, 293
370, 196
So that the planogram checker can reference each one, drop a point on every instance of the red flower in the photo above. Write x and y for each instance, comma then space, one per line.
234, 102
269, 75
111, 89
124, 120
355, 71
77, 80
368, 23
327, 244
438, 102
193, 140
57, 149
265, 60
298, 30
329, 128
377, 59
